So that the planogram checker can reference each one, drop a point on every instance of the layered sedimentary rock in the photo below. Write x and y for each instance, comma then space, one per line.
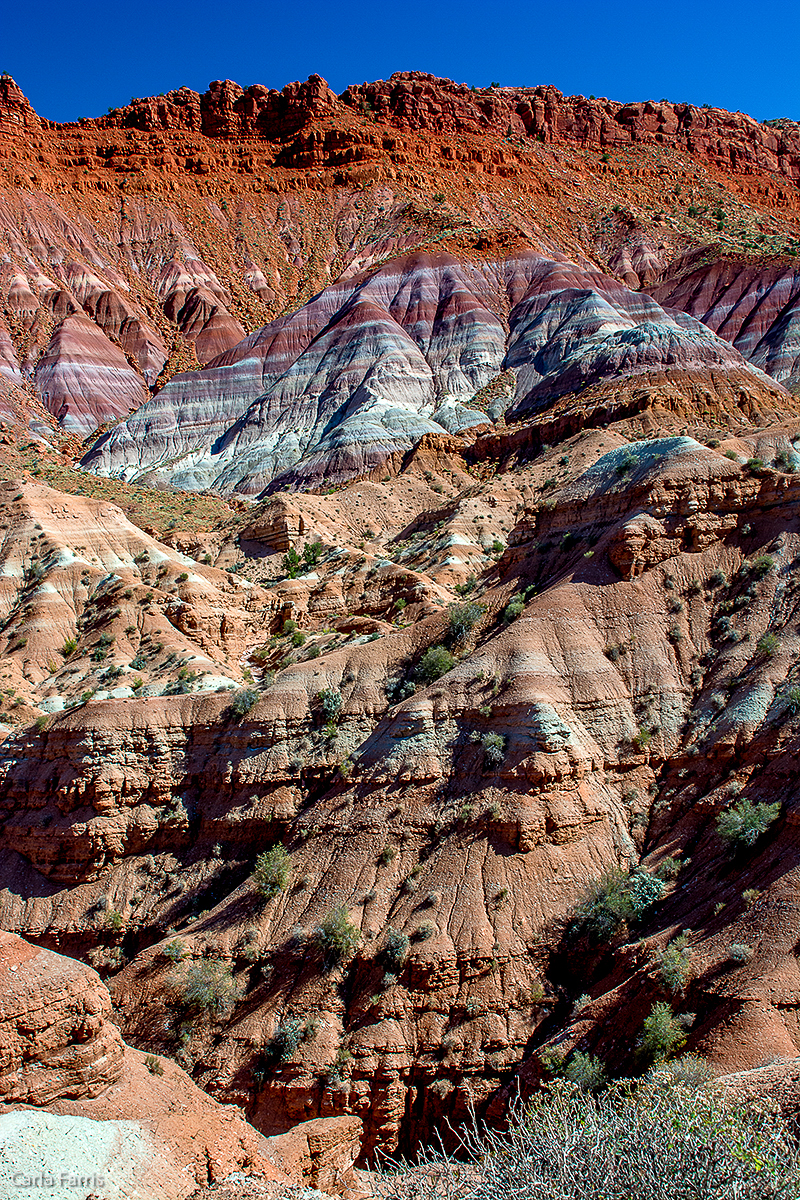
84, 380
370, 366
56, 1035
753, 305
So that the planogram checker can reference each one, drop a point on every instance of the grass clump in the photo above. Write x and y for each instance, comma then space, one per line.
273, 872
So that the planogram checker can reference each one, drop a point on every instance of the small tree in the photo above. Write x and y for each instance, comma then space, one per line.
272, 872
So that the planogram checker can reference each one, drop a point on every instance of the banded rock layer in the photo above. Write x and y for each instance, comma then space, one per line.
373, 364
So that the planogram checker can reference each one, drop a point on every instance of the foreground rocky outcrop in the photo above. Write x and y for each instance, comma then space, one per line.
74, 1099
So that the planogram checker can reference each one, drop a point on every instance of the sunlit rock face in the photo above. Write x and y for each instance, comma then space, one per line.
373, 363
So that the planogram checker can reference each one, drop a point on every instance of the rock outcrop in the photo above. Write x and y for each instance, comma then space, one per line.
56, 1035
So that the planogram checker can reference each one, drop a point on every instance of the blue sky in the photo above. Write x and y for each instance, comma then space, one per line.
78, 59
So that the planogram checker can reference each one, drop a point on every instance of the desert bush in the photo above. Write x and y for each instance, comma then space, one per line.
284, 1042
652, 1142
207, 987
291, 563
616, 899
662, 1035
762, 565
768, 644
174, 950
395, 949
69, 647
272, 871
515, 608
675, 965
424, 931
435, 662
494, 749
463, 617
741, 825
243, 701
585, 1071
716, 579
330, 700
337, 937
739, 953
312, 552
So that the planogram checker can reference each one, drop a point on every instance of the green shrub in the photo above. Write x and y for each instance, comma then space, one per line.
174, 950
272, 872
494, 749
768, 644
515, 608
662, 1035
69, 647
330, 700
395, 949
675, 965
616, 899
284, 1042
435, 662
312, 552
291, 563
657, 1141
762, 565
337, 937
739, 953
138, 663
243, 701
424, 931
585, 1071
717, 579
463, 617
741, 825
207, 987
756, 465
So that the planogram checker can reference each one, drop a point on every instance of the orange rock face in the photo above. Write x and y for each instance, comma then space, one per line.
55, 1031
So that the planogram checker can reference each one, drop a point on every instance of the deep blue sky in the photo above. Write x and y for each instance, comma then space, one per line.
78, 59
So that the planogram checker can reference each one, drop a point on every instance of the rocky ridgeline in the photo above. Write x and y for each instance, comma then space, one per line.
413, 101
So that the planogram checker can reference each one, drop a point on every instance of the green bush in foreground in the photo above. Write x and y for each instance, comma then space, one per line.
658, 1141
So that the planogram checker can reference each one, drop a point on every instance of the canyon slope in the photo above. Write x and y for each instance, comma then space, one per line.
400, 551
